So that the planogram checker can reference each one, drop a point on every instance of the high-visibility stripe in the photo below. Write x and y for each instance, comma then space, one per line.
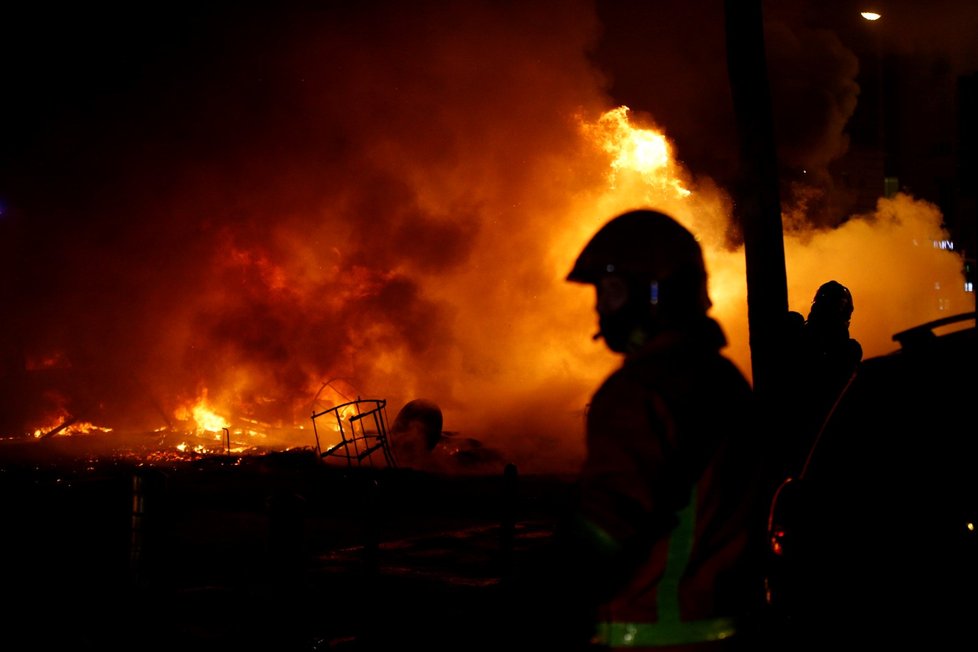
664, 633
669, 629
680, 549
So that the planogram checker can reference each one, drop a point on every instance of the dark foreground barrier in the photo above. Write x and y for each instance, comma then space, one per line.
276, 551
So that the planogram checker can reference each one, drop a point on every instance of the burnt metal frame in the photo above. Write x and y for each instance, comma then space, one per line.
357, 441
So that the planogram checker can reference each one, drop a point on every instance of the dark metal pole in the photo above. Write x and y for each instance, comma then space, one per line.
757, 203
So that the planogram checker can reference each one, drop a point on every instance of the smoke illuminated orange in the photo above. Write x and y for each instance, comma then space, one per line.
406, 224
512, 362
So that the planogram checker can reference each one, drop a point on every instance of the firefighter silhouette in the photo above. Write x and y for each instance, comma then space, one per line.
821, 360
657, 549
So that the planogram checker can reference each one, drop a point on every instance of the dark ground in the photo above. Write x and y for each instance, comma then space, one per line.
273, 552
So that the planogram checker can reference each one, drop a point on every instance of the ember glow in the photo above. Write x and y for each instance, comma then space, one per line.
386, 206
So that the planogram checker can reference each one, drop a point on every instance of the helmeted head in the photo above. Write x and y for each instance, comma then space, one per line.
649, 275
832, 306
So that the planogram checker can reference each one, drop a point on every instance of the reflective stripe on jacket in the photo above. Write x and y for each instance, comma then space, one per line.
669, 628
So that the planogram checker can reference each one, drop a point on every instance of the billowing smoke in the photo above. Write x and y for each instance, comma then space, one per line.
382, 201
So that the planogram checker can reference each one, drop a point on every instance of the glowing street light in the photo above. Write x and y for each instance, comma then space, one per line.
890, 181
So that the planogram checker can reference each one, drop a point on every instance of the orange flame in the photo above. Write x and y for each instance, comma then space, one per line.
65, 426
646, 152
206, 420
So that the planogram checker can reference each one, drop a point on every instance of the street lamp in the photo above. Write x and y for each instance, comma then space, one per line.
890, 182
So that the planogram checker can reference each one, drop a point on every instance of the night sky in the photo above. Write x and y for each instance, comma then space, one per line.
250, 195
96, 94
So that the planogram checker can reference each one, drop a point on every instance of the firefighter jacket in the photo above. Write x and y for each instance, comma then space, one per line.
672, 486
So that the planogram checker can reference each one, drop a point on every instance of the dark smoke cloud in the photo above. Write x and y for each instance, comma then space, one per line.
814, 93
824, 68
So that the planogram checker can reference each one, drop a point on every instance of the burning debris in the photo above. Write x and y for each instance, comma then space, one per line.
362, 429
358, 433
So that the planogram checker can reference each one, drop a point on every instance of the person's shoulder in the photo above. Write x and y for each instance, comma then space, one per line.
618, 381
630, 384
793, 321
792, 331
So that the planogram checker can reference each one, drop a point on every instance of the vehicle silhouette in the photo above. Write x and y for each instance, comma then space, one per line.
873, 539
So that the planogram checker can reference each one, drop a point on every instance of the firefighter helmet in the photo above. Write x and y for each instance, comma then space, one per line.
832, 302
648, 247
